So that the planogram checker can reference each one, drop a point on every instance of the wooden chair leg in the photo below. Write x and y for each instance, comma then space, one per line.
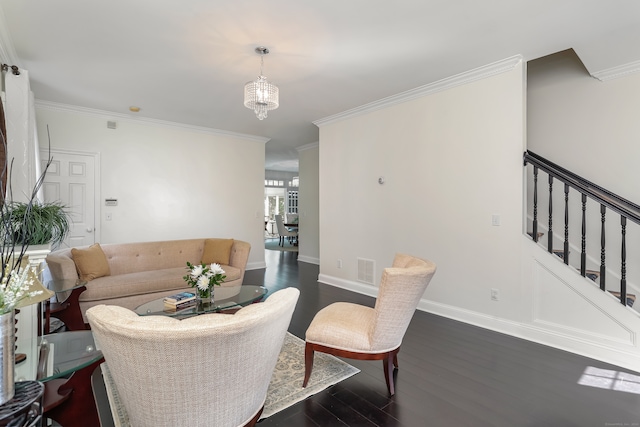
308, 363
388, 364
253, 421
388, 373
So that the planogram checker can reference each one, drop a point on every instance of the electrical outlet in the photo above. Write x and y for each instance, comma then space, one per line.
495, 294
495, 220
339, 263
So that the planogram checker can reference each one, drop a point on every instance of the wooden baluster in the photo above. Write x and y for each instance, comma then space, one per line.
583, 254
550, 236
623, 264
603, 210
566, 224
535, 203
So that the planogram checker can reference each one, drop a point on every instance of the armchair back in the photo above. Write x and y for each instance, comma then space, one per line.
209, 370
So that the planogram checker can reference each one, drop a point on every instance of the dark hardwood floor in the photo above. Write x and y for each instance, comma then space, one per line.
450, 373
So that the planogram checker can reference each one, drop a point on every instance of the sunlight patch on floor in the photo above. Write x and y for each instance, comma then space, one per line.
609, 379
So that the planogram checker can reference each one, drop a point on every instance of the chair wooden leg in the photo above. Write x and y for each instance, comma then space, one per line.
388, 374
253, 421
388, 364
308, 363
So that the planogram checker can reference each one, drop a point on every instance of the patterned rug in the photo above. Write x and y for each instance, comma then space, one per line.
285, 388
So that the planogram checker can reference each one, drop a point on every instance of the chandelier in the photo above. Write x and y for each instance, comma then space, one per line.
260, 95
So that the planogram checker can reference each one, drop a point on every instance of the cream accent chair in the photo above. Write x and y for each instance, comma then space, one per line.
283, 231
208, 370
358, 332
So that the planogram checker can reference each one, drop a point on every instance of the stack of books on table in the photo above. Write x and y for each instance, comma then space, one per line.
179, 301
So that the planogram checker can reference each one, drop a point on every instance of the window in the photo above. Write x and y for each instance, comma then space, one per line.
292, 202
274, 203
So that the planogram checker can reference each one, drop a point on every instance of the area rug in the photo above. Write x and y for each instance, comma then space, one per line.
285, 388
272, 245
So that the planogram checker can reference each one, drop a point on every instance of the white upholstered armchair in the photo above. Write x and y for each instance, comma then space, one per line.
208, 370
358, 332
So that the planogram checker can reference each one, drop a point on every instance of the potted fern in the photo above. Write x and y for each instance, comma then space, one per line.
35, 223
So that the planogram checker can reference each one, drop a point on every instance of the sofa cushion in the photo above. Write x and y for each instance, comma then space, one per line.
217, 251
91, 263
143, 282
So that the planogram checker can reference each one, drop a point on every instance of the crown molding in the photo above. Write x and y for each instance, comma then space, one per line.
479, 73
617, 72
308, 146
48, 105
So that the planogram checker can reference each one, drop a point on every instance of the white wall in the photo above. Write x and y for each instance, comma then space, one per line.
450, 161
171, 182
309, 249
588, 126
591, 128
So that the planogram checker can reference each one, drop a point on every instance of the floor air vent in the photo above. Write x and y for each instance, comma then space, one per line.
366, 270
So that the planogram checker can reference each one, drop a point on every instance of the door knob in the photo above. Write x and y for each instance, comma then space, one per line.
89, 230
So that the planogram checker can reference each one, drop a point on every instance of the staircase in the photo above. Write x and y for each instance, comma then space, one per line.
578, 213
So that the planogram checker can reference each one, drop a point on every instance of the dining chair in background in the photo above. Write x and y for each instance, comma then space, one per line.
284, 232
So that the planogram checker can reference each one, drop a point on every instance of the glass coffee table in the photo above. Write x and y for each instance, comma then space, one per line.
248, 294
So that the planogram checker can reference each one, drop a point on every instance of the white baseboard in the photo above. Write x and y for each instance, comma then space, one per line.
309, 260
618, 355
256, 265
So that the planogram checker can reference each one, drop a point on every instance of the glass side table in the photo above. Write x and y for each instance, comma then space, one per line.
64, 363
67, 307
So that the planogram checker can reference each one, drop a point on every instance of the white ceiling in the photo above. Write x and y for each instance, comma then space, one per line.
187, 61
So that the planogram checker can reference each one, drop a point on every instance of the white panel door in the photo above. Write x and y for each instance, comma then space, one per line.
71, 180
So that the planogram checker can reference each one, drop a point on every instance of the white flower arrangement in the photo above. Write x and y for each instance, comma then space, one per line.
204, 277
14, 287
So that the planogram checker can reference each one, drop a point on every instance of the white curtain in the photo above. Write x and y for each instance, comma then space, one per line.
22, 148
22, 141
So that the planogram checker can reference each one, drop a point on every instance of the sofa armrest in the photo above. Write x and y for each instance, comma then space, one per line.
61, 267
239, 255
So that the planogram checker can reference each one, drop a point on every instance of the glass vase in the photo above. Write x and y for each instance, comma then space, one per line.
7, 356
204, 296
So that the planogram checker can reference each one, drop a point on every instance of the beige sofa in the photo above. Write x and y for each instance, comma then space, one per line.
137, 273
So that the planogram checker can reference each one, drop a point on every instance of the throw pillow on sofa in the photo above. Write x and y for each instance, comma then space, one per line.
217, 250
91, 263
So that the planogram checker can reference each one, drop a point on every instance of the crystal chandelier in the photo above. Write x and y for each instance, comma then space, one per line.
260, 95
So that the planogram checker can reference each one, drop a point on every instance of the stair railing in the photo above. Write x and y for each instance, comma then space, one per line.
627, 210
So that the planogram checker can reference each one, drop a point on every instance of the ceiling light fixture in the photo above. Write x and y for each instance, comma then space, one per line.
260, 95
